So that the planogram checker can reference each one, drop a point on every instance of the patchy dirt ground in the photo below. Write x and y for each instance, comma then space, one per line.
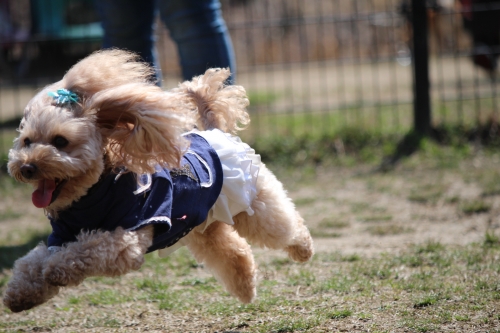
356, 210
350, 209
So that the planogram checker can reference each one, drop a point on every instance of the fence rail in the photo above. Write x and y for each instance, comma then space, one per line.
308, 66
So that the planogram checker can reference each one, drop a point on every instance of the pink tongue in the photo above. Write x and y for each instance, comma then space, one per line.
42, 196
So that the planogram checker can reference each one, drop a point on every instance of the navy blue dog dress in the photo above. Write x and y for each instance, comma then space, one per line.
174, 201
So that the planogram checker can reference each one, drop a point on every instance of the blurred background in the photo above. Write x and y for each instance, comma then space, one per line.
311, 67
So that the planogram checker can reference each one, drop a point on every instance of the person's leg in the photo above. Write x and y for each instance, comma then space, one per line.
129, 24
201, 35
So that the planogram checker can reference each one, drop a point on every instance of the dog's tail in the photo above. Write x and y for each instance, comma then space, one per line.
219, 105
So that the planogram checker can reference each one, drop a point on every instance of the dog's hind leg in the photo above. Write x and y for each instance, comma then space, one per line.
275, 224
100, 253
228, 256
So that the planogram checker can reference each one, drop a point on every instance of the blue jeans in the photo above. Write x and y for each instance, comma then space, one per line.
196, 26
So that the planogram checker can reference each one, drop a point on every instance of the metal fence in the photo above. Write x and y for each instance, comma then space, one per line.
308, 66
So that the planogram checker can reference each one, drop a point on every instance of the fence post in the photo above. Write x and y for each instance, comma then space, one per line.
421, 97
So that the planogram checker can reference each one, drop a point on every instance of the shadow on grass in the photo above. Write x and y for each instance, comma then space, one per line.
9, 254
406, 147
485, 135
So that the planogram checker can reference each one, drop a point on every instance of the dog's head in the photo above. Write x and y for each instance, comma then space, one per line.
104, 114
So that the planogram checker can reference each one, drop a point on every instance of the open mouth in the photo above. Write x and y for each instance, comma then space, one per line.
47, 192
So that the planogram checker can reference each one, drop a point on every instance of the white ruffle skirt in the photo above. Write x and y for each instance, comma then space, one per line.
240, 167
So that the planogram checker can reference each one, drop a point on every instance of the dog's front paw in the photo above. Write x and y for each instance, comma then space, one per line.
17, 303
26, 294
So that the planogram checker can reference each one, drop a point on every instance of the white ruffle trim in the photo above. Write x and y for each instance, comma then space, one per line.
240, 167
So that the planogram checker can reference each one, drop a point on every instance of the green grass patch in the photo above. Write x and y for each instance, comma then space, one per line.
106, 297
304, 201
490, 182
181, 262
337, 284
291, 325
74, 300
6, 138
261, 98
333, 223
153, 285
359, 207
491, 239
475, 207
388, 229
426, 301
280, 263
303, 278
442, 288
10, 187
321, 233
426, 194
431, 254
9, 214
376, 218
339, 314
347, 146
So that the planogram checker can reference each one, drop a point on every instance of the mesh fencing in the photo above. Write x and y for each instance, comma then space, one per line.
311, 66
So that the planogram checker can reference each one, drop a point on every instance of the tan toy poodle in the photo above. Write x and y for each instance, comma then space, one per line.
122, 168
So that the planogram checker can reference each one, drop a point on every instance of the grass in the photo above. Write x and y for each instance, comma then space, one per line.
425, 196
421, 286
491, 239
424, 288
6, 138
296, 124
428, 289
376, 218
339, 314
9, 214
475, 207
388, 229
320, 233
333, 223
105, 297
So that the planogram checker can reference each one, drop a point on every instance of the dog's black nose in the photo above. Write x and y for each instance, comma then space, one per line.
28, 170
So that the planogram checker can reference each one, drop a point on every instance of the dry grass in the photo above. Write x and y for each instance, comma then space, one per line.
385, 262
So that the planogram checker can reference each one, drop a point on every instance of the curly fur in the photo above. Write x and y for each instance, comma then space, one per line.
28, 288
218, 106
124, 120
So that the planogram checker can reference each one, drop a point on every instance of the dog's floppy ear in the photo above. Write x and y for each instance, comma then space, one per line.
143, 125
106, 69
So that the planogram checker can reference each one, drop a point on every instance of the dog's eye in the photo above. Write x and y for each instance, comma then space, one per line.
60, 142
27, 142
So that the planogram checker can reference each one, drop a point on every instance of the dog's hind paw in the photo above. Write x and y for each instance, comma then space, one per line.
300, 253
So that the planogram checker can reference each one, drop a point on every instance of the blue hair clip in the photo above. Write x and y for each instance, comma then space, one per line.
64, 96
